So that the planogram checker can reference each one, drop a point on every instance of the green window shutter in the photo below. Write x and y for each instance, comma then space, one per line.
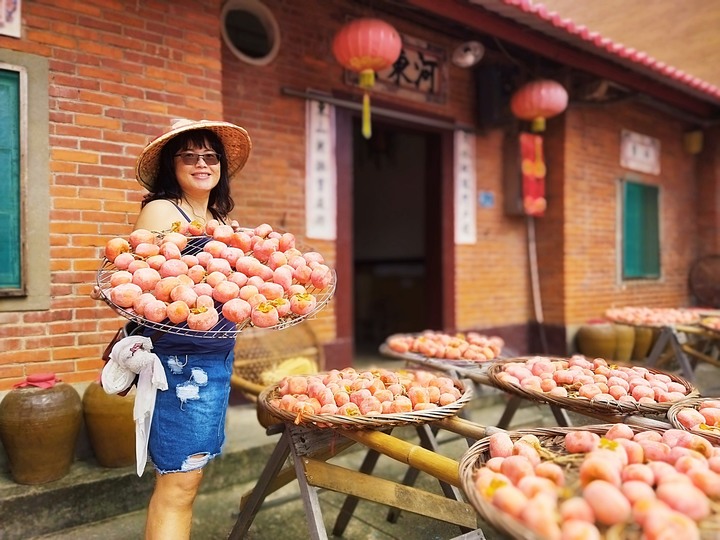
10, 215
641, 231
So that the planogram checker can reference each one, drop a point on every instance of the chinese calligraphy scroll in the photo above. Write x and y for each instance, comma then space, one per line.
465, 188
321, 174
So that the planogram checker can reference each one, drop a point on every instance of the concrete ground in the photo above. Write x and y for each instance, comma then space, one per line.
228, 478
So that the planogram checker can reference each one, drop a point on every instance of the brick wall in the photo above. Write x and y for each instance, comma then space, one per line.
118, 73
592, 170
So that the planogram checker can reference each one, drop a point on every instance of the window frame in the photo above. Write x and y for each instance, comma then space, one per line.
22, 178
268, 21
35, 200
646, 273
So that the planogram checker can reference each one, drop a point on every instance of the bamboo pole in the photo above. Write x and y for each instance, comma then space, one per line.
466, 428
440, 467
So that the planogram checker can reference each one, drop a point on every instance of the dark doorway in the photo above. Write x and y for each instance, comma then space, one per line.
396, 208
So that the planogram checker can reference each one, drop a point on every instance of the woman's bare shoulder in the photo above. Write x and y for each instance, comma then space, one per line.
158, 215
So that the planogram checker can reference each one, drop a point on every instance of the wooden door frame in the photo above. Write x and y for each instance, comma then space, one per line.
340, 353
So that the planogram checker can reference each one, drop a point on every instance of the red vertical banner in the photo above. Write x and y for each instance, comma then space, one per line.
533, 174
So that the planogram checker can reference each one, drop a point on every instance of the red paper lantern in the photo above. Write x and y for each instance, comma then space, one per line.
365, 46
538, 100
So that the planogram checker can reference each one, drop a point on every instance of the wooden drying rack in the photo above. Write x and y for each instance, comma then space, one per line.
311, 447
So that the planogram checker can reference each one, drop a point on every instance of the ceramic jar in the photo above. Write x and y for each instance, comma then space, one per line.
39, 424
110, 426
597, 340
644, 338
625, 337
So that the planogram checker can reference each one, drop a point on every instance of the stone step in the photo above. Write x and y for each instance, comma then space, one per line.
90, 493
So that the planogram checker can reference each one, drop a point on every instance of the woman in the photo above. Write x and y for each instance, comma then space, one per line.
187, 173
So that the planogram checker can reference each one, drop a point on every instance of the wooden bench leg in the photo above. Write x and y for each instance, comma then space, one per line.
254, 502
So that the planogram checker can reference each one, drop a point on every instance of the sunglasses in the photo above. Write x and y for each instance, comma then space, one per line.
191, 158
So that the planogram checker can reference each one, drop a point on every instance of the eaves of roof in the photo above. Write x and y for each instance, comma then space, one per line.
534, 27
538, 17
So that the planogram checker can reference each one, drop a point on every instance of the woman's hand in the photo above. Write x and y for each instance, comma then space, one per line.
95, 293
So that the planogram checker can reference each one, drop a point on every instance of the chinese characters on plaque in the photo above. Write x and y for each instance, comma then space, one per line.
320, 176
10, 18
639, 152
465, 188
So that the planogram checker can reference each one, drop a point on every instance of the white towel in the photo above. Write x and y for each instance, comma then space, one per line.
131, 356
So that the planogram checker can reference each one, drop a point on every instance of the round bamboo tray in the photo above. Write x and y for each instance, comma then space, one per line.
416, 356
712, 433
653, 317
435, 363
551, 439
609, 410
374, 422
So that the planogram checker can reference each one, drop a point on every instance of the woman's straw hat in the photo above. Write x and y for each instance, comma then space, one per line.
234, 138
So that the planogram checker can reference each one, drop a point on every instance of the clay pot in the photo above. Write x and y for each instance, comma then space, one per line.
39, 424
597, 340
110, 426
625, 337
644, 339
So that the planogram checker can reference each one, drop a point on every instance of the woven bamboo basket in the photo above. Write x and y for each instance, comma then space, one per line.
653, 317
375, 422
415, 356
475, 371
606, 410
712, 434
551, 439
434, 363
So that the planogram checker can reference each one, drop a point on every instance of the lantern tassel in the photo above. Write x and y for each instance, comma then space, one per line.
367, 81
538, 125
366, 125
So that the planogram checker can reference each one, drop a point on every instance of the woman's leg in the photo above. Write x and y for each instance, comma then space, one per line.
170, 511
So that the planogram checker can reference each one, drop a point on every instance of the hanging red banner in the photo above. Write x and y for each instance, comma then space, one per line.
533, 174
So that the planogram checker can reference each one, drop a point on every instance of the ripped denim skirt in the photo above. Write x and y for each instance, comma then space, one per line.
188, 425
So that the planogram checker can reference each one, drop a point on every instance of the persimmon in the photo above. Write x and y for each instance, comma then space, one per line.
116, 246
178, 311
125, 294
264, 315
141, 236
202, 318
146, 278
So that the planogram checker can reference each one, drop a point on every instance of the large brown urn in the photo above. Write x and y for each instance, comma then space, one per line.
597, 339
39, 425
110, 426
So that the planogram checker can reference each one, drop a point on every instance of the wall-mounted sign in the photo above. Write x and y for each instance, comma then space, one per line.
10, 18
420, 73
639, 152
321, 172
465, 188
486, 199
